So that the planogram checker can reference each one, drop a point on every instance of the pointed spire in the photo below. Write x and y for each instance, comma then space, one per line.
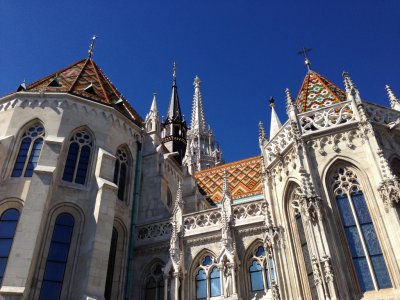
174, 111
394, 102
22, 86
225, 187
91, 46
153, 107
275, 122
198, 119
351, 88
261, 133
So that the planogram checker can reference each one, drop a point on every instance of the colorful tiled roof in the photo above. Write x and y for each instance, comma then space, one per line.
316, 92
85, 79
244, 178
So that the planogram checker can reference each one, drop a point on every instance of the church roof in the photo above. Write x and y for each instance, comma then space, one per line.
85, 79
244, 178
316, 92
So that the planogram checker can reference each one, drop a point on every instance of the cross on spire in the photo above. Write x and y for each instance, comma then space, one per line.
174, 73
304, 52
91, 46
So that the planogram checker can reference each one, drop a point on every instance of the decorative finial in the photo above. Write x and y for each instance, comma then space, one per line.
197, 81
225, 188
91, 47
174, 73
306, 60
261, 132
348, 83
271, 102
289, 99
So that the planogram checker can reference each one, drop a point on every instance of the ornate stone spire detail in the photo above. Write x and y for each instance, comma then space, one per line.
177, 222
394, 102
226, 211
275, 122
198, 120
261, 133
351, 88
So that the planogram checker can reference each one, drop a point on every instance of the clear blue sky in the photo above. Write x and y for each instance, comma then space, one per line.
244, 52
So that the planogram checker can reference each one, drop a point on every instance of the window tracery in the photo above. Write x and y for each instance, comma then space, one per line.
78, 158
361, 237
121, 173
29, 151
154, 283
261, 269
208, 279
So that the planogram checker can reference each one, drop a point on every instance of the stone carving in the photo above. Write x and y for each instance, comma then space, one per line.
248, 210
280, 142
154, 230
334, 141
335, 115
202, 219
381, 115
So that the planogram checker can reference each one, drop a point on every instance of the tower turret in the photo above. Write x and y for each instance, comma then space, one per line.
174, 126
202, 151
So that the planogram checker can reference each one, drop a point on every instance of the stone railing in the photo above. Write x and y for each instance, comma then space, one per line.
381, 115
160, 230
279, 142
327, 117
202, 219
249, 212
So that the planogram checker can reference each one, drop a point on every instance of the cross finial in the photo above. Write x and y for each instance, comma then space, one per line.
306, 60
271, 102
91, 46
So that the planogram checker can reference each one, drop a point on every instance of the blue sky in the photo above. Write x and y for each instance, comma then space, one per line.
243, 51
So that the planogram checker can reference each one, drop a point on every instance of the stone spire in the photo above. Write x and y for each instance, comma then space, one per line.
174, 127
394, 102
153, 118
351, 89
275, 122
198, 119
202, 151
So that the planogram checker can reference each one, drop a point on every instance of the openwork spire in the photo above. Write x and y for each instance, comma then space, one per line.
275, 122
198, 119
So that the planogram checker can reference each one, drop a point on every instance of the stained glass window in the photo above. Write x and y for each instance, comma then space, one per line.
261, 269
363, 243
208, 279
154, 283
8, 225
121, 173
29, 151
57, 257
78, 157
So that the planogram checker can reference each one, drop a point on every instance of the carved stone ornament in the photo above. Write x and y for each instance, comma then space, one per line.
389, 190
326, 260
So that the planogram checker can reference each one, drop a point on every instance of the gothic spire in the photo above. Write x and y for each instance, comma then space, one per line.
198, 119
394, 102
153, 107
174, 110
275, 122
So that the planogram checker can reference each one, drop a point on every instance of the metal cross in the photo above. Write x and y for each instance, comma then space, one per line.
306, 60
91, 47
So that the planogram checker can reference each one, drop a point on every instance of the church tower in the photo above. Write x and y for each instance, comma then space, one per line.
174, 127
202, 151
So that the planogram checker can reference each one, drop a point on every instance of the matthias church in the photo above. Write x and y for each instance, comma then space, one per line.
97, 202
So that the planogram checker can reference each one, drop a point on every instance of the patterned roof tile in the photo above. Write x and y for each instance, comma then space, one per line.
244, 178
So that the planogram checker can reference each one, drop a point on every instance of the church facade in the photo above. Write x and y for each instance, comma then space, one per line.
98, 203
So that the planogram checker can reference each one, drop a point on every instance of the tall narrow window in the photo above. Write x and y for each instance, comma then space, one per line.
154, 283
56, 263
76, 166
121, 173
111, 264
261, 269
296, 198
8, 225
29, 151
363, 243
208, 279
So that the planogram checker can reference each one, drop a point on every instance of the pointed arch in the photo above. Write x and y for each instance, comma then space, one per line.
79, 155
29, 145
152, 281
348, 191
123, 171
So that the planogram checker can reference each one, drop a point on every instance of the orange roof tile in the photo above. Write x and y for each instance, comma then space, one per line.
316, 92
85, 79
244, 178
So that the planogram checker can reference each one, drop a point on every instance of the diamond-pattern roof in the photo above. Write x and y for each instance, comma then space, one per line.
244, 179
316, 92
85, 79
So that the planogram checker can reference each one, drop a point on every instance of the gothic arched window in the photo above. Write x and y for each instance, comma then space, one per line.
261, 269
154, 283
362, 240
121, 173
111, 264
29, 151
208, 279
8, 225
77, 164
301, 238
57, 257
